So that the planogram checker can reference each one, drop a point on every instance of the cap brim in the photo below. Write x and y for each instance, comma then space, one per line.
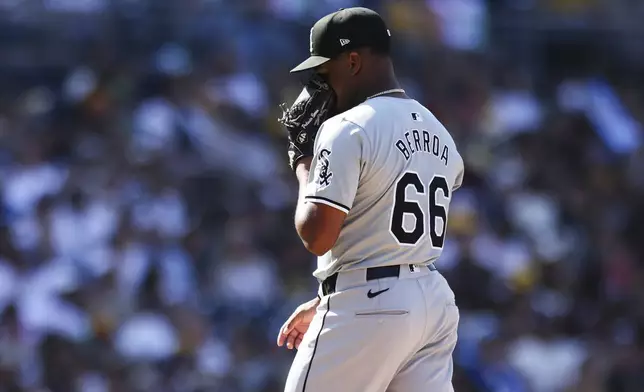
311, 62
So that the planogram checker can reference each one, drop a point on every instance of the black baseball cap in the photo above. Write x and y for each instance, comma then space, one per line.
343, 30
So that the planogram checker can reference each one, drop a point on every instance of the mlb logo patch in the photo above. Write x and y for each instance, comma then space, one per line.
416, 117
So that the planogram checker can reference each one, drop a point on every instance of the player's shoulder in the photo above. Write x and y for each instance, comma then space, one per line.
361, 117
345, 124
356, 117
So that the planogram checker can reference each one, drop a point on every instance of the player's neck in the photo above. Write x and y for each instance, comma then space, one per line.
382, 83
377, 88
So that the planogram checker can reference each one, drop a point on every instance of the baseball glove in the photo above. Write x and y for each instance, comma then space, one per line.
303, 119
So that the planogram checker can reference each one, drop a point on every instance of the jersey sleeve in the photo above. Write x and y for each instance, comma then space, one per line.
336, 165
459, 179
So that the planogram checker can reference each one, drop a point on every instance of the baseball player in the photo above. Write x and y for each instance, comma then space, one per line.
376, 171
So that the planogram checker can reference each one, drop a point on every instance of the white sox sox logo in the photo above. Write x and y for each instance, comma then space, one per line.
323, 173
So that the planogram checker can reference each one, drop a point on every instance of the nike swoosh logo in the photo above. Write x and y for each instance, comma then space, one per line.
377, 293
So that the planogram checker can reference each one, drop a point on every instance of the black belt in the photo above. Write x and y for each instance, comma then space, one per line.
390, 271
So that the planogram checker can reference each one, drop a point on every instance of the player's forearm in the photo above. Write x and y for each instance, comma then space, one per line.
302, 173
308, 222
303, 219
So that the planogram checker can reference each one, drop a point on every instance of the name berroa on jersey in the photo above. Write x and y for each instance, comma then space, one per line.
422, 141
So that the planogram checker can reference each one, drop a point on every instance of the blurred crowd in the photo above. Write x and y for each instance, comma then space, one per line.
146, 205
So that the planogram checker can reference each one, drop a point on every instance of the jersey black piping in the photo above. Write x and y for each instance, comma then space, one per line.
317, 340
327, 200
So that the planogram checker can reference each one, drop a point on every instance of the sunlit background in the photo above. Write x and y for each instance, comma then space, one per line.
147, 241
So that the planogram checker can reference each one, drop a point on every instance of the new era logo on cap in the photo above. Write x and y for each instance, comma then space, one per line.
344, 41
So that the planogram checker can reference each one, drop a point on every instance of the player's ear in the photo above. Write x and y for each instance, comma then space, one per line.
355, 63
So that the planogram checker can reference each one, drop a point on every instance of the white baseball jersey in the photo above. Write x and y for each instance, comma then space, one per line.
392, 167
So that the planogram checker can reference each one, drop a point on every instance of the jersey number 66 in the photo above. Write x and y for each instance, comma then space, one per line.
436, 211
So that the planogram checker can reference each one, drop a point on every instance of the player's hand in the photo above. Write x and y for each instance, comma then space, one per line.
296, 326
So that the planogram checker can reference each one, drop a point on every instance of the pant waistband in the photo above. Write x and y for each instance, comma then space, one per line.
390, 271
